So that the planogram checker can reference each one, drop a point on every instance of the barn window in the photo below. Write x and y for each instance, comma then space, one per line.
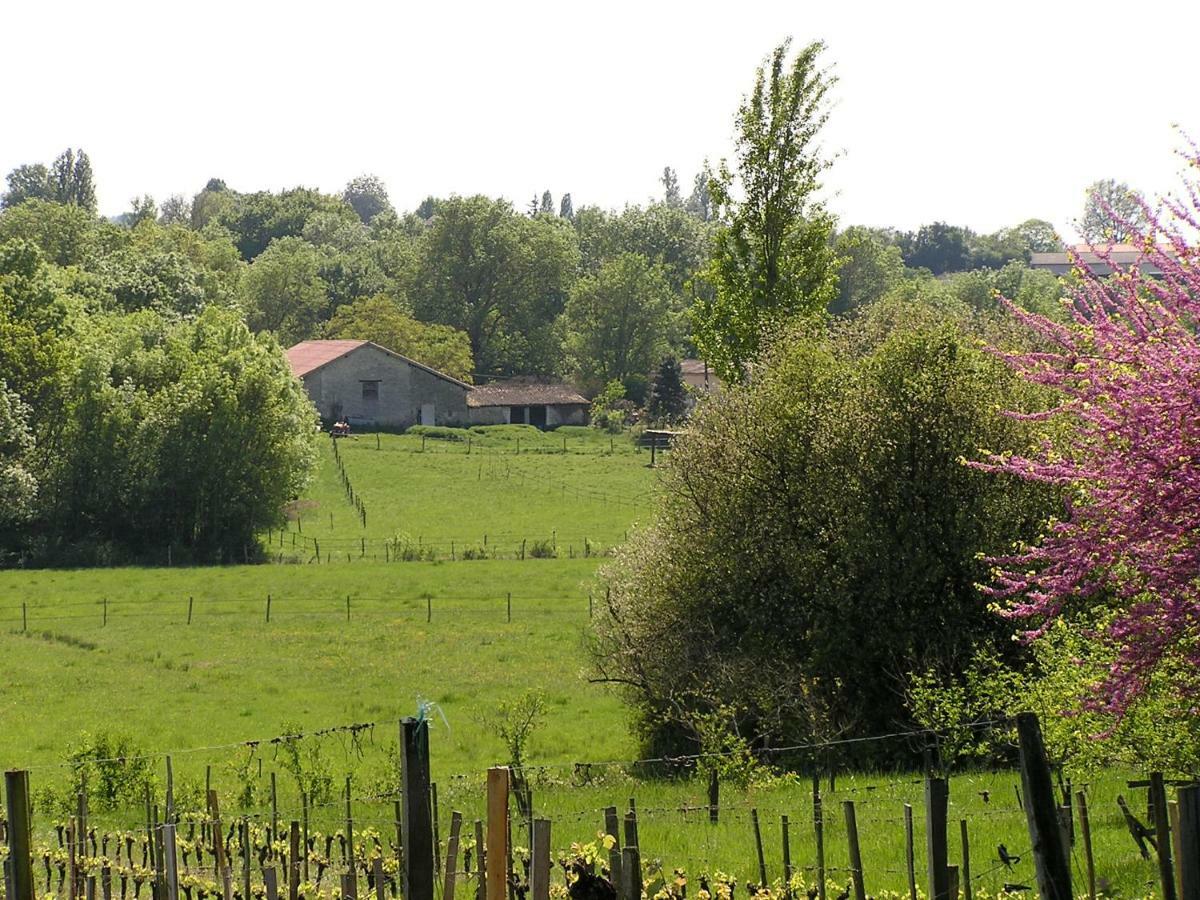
370, 390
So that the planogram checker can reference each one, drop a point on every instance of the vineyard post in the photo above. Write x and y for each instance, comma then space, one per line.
909, 854
1041, 812
1162, 834
352, 869
819, 829
214, 813
294, 861
24, 616
245, 828
271, 883
304, 826
631, 873
268, 608
497, 835
170, 791
377, 877
787, 856
72, 875
274, 835
1085, 832
416, 807
480, 862
631, 829
437, 833
1176, 846
399, 841
106, 880
614, 854
452, 856
539, 876
937, 798
189, 621
856, 867
1189, 841
171, 860
965, 868
510, 601
104, 621
758, 848
19, 865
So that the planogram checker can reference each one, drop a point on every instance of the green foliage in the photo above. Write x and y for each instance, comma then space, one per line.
500, 277
199, 428
284, 291
609, 408
869, 267
773, 261
114, 768
368, 196
668, 399
384, 321
617, 320
18, 485
303, 757
818, 533
1113, 212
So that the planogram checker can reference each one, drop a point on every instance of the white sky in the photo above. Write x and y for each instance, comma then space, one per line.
982, 114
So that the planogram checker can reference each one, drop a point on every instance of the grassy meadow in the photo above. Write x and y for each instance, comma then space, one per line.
112, 651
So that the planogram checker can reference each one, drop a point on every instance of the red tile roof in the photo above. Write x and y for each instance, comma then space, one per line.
308, 356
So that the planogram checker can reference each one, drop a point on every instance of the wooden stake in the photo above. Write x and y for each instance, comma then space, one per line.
614, 854
1176, 845
294, 861
631, 874
1085, 832
417, 823
1162, 835
539, 874
965, 868
352, 868
171, 861
1189, 841
480, 863
452, 856
787, 856
758, 847
1041, 813
819, 829
20, 844
936, 802
910, 862
714, 782
437, 837
497, 834
856, 870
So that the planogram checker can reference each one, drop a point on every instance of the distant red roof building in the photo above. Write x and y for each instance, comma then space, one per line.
308, 356
1122, 255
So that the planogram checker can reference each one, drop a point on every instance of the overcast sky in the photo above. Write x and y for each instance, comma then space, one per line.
981, 114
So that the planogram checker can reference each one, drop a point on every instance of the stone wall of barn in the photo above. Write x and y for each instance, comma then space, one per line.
374, 387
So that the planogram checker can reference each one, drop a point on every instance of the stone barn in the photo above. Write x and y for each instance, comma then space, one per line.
372, 386
524, 402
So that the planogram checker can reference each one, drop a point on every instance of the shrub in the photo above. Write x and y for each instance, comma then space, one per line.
543, 550
439, 432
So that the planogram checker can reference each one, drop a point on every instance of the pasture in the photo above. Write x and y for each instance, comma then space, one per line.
198, 663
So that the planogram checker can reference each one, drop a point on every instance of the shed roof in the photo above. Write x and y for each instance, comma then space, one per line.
525, 393
308, 356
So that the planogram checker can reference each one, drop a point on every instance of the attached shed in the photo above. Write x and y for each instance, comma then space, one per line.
371, 385
521, 402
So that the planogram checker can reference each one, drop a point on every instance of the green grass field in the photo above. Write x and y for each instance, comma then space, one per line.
112, 650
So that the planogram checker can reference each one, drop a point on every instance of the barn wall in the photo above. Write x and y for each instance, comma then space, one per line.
337, 389
489, 415
565, 415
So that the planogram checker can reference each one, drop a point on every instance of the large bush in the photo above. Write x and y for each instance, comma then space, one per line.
819, 538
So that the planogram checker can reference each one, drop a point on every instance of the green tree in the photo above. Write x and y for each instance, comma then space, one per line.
773, 261
546, 207
1038, 236
65, 235
500, 277
175, 210
193, 433
368, 197
143, 209
699, 202
29, 182
938, 247
817, 534
668, 398
565, 209
670, 182
384, 321
284, 292
1113, 212
258, 219
71, 180
869, 267
18, 485
617, 320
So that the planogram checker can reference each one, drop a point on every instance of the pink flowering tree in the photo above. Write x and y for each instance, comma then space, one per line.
1126, 370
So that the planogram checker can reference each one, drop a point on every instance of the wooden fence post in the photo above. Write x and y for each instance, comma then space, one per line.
937, 796
714, 781
910, 862
480, 863
758, 847
452, 856
614, 854
294, 861
171, 861
856, 869
1162, 835
1176, 846
965, 868
417, 820
819, 829
631, 874
245, 831
20, 846
787, 856
1189, 841
437, 835
1085, 832
351, 868
539, 873
1041, 813
189, 621
497, 835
